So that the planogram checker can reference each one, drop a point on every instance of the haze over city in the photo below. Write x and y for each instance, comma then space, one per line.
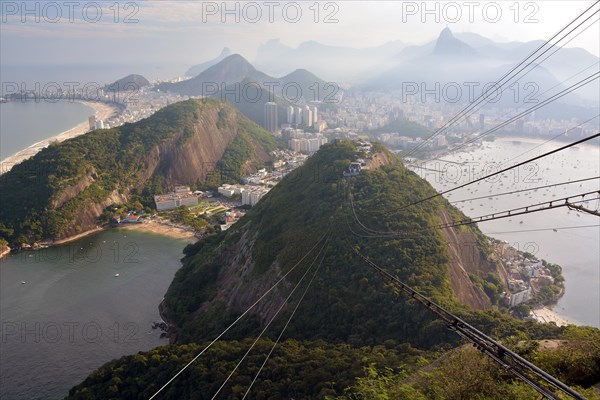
186, 32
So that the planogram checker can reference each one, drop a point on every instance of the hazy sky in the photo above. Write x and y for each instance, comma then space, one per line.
184, 32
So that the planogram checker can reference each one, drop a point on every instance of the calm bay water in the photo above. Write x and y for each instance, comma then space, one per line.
73, 313
575, 245
25, 123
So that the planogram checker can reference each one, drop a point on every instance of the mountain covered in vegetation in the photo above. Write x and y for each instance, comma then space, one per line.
352, 336
234, 79
231, 69
129, 83
250, 97
63, 189
321, 370
223, 275
235, 68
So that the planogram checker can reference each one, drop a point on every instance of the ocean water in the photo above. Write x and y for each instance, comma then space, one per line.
73, 314
575, 245
23, 124
80, 75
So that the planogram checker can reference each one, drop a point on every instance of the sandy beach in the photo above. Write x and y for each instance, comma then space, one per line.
547, 315
103, 111
163, 229
74, 237
4, 251
148, 226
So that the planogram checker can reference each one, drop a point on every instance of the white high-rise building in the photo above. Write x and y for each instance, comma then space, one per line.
313, 145
295, 145
315, 114
520, 297
290, 115
298, 115
253, 195
271, 117
303, 145
307, 116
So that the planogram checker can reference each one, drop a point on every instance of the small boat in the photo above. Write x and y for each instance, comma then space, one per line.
116, 274
23, 282
555, 230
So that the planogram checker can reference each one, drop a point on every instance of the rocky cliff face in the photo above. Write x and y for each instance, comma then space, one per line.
87, 216
190, 161
65, 188
466, 258
176, 162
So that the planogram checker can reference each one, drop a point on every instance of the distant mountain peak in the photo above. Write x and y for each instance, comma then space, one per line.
309, 44
235, 57
197, 69
300, 71
446, 32
234, 60
131, 82
447, 44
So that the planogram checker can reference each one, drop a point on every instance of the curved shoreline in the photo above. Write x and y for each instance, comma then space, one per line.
154, 227
74, 237
547, 315
102, 111
159, 228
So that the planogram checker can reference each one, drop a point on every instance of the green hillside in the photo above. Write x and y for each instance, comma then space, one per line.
318, 370
234, 79
349, 302
131, 82
56, 192
352, 336
312, 88
405, 128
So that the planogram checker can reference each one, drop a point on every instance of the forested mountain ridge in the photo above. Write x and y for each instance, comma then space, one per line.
223, 275
234, 79
353, 336
62, 190
133, 82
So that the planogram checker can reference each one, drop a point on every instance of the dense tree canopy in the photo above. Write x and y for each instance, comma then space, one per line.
103, 161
